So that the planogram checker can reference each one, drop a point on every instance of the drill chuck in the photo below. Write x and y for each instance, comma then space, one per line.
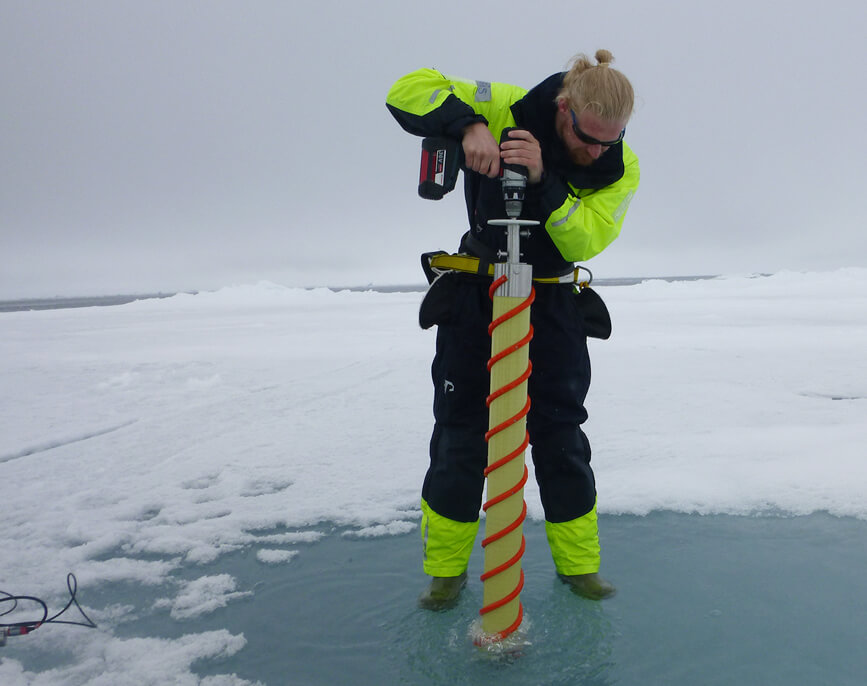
514, 187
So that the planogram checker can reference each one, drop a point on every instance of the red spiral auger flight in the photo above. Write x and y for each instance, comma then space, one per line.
508, 458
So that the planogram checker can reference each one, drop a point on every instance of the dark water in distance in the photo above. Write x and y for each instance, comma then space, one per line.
58, 303
26, 304
702, 600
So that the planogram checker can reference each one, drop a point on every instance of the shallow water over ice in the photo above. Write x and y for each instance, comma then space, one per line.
701, 600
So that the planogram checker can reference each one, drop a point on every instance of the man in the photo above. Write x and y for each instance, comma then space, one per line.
581, 178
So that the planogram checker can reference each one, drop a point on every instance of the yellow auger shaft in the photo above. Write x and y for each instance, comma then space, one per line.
505, 514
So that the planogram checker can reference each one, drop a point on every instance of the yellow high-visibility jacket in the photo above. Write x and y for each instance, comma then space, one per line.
581, 208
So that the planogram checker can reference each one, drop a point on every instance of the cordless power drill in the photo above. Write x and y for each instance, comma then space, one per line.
514, 180
442, 158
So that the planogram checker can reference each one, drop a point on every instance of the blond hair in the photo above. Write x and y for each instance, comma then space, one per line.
598, 87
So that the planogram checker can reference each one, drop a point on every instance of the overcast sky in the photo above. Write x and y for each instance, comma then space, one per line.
174, 145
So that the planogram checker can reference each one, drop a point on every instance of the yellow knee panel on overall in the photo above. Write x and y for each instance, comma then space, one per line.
575, 544
447, 543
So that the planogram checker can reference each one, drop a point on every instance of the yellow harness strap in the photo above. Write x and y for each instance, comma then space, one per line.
470, 265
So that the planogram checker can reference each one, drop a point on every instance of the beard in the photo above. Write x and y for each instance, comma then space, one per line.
581, 158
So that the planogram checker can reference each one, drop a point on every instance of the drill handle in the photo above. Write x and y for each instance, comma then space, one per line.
517, 168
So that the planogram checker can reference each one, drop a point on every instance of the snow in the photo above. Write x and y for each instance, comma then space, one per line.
273, 557
203, 595
137, 662
160, 434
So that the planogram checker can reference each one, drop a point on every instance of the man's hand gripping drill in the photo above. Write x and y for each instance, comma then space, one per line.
519, 147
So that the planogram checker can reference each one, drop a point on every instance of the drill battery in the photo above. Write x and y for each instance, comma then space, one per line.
440, 164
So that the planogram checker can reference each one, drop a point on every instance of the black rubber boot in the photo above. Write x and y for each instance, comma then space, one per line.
590, 586
443, 592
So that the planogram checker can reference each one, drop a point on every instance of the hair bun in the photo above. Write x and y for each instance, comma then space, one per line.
604, 58
607, 92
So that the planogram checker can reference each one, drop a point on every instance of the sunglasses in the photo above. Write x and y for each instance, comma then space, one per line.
589, 139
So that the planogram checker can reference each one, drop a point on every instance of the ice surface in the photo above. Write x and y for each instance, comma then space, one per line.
141, 438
